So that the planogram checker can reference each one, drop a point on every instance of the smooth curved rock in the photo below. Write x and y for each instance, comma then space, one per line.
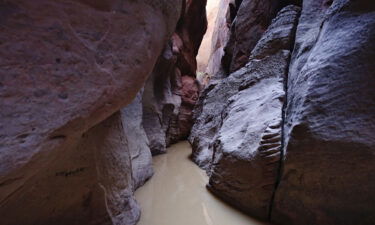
137, 141
160, 101
328, 173
65, 67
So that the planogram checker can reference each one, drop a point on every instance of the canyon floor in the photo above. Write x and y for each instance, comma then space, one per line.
176, 194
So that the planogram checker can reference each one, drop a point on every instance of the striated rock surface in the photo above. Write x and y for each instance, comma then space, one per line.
214, 99
247, 147
249, 19
329, 163
243, 114
65, 67
293, 142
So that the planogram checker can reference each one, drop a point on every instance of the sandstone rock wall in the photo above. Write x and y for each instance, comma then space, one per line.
172, 90
299, 149
66, 66
243, 114
329, 161
204, 53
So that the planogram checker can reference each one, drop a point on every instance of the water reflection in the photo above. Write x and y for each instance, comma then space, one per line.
176, 195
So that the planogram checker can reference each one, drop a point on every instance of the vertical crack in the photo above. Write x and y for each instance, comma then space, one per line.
282, 126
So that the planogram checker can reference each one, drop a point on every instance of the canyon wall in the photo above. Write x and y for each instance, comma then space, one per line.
289, 137
70, 151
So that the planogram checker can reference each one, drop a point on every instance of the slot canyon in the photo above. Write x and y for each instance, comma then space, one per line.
187, 112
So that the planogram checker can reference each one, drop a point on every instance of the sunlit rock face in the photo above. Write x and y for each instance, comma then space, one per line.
204, 53
329, 163
220, 36
67, 66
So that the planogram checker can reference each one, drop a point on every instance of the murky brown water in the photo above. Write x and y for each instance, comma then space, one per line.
176, 195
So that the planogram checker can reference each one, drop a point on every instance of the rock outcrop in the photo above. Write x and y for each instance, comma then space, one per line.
66, 66
329, 154
245, 111
247, 148
292, 141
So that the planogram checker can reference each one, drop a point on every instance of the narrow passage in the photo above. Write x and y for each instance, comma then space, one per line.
176, 195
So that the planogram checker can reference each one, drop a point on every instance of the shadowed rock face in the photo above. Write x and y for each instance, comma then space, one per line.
329, 163
190, 31
172, 90
137, 141
65, 67
249, 19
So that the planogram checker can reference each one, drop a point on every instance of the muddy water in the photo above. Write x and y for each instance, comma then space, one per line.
176, 195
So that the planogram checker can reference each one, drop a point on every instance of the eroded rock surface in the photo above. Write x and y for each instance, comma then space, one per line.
247, 143
247, 148
172, 90
329, 163
65, 67
326, 130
